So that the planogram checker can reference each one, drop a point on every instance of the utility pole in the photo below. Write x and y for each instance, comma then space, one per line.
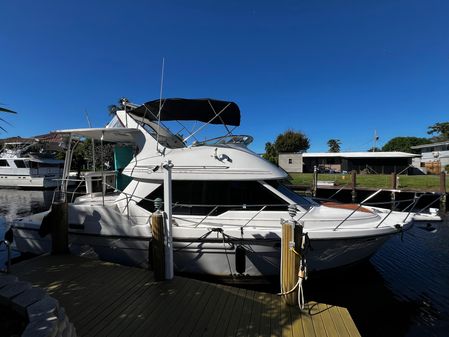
376, 138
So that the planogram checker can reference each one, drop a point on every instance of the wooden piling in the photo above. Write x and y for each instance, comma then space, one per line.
394, 186
314, 181
59, 228
290, 261
394, 181
353, 185
157, 246
443, 191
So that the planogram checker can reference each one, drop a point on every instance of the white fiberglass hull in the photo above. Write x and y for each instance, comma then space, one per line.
23, 181
208, 256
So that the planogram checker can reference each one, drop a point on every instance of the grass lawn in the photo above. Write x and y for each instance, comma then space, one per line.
428, 183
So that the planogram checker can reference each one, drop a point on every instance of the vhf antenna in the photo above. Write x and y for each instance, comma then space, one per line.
160, 105
93, 141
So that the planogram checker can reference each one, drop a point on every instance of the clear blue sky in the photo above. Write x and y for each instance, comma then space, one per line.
331, 69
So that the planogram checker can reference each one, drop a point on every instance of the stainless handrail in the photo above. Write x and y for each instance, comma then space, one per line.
413, 203
255, 215
428, 206
355, 210
339, 190
202, 220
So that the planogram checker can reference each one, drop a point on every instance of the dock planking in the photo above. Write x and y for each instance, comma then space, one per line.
106, 299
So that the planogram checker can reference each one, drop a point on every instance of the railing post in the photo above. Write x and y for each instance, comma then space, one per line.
354, 185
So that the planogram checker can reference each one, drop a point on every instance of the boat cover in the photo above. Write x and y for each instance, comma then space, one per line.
204, 110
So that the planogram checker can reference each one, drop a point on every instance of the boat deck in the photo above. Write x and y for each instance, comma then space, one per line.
105, 299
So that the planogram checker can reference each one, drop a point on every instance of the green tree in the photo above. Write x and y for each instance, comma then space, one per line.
403, 144
291, 141
334, 145
270, 153
440, 129
82, 155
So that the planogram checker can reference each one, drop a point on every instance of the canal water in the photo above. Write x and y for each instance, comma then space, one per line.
402, 291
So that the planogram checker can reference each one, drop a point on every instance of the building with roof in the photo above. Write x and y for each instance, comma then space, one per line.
434, 156
369, 162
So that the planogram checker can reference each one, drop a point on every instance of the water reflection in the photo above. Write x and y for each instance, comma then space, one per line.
401, 291
17, 203
361, 289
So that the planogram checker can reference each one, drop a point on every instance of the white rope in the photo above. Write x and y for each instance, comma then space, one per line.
297, 285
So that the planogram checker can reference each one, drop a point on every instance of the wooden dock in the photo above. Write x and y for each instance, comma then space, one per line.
105, 299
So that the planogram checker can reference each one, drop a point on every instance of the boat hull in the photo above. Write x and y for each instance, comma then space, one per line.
211, 256
23, 181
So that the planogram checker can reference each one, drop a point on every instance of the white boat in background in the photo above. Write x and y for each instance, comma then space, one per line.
20, 168
430, 216
225, 198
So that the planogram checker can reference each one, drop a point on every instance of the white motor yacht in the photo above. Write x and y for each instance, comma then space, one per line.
20, 168
225, 196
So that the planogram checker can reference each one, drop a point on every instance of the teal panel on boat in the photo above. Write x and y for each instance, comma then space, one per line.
122, 157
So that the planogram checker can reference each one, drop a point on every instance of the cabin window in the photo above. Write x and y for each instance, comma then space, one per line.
201, 197
48, 165
290, 161
20, 163
3, 163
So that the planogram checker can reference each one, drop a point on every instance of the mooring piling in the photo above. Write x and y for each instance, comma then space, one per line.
443, 191
59, 226
353, 185
157, 243
292, 268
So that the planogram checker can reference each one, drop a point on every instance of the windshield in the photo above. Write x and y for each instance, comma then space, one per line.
302, 201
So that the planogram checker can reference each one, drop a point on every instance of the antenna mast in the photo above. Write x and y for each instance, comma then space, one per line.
93, 141
160, 105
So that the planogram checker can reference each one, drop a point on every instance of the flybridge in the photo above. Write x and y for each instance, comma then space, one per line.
154, 115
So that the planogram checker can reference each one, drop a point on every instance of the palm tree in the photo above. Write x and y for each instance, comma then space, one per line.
334, 145
1, 119
113, 108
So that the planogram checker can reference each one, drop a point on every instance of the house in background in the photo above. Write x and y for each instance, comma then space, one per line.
291, 162
370, 162
434, 157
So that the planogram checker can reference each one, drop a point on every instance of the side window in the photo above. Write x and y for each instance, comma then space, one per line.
201, 197
3, 163
290, 161
20, 163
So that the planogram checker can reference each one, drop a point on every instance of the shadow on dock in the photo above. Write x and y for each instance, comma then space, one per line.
104, 299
